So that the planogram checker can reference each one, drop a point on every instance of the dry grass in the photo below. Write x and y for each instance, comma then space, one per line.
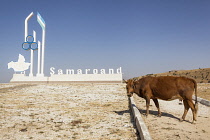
200, 75
204, 91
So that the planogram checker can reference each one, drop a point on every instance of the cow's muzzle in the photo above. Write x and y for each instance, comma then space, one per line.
130, 94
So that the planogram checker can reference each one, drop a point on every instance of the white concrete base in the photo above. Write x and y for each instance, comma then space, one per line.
39, 75
31, 75
141, 127
202, 101
24, 78
114, 78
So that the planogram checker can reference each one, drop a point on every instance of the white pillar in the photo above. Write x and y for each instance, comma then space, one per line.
26, 34
32, 56
39, 55
43, 49
41, 22
26, 24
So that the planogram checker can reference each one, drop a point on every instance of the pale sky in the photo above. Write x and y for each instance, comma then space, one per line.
141, 36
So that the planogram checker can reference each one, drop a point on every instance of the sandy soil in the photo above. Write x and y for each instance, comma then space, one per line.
53, 112
168, 125
90, 111
204, 90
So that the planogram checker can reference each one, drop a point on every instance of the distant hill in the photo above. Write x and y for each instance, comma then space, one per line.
200, 75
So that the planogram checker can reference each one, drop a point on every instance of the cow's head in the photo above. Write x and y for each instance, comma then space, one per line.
130, 87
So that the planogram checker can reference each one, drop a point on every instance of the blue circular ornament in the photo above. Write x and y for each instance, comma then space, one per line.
34, 46
30, 38
26, 46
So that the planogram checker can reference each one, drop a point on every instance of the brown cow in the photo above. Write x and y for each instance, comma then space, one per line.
166, 88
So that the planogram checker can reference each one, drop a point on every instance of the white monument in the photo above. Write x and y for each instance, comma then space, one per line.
20, 65
57, 75
40, 67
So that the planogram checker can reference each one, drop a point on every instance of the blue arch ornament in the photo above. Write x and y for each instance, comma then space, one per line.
29, 44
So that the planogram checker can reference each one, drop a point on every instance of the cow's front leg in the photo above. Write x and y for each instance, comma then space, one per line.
157, 105
147, 105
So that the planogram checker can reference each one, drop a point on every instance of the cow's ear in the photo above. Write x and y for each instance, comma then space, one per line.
134, 85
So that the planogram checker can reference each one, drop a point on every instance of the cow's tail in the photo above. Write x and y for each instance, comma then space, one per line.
196, 101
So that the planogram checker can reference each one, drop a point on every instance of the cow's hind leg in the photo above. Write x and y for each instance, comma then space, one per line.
157, 105
192, 106
186, 108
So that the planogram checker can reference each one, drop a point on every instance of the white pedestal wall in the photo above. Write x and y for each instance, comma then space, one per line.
24, 78
86, 77
69, 78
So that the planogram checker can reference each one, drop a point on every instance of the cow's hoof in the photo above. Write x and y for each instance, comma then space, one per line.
159, 115
194, 122
181, 120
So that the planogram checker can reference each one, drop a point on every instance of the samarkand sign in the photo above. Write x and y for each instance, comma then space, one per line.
86, 71
56, 75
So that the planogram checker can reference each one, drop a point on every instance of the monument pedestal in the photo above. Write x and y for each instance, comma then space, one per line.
68, 78
39, 75
22, 78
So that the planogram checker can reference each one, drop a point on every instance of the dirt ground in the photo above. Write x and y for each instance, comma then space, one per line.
168, 125
91, 111
58, 112
204, 90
